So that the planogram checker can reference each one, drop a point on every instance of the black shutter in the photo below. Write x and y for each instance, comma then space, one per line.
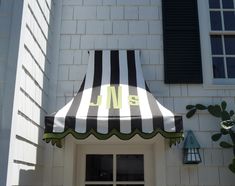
181, 40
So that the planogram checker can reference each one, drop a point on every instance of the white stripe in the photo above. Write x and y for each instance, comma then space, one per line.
82, 112
103, 112
168, 118
124, 112
59, 119
146, 114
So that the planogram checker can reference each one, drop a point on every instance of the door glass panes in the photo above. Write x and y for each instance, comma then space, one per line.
218, 67
216, 45
231, 67
130, 168
130, 185
118, 170
228, 4
214, 3
216, 23
229, 20
99, 167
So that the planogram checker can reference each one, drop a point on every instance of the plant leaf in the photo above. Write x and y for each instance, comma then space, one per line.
189, 107
223, 105
190, 113
228, 124
215, 110
200, 107
225, 145
232, 166
225, 115
216, 137
231, 112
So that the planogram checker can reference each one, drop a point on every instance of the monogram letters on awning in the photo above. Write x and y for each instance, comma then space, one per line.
113, 100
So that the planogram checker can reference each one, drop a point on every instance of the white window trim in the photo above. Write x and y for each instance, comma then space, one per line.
72, 152
204, 26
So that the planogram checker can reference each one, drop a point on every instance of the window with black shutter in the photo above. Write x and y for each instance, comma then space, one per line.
181, 39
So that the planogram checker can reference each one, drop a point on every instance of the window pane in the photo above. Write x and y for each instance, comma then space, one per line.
216, 45
218, 67
130, 168
229, 20
227, 3
215, 17
131, 185
214, 3
229, 44
99, 167
231, 67
98, 185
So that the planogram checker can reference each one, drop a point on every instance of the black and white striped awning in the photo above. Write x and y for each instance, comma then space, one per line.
113, 100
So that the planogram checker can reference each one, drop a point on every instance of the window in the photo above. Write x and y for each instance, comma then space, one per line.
116, 165
222, 38
118, 169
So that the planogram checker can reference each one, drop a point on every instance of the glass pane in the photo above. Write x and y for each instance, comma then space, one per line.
229, 44
131, 185
215, 17
98, 185
229, 20
231, 67
214, 3
99, 167
216, 45
130, 168
218, 67
227, 3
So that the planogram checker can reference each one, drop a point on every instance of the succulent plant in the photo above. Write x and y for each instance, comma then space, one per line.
227, 124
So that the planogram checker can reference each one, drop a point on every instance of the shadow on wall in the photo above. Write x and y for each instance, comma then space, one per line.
33, 173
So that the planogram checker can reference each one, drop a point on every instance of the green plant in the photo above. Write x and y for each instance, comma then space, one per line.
227, 124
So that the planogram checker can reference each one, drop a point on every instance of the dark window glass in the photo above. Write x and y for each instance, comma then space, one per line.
229, 20
99, 167
215, 17
231, 67
229, 42
98, 185
214, 3
130, 168
130, 185
216, 45
218, 67
227, 3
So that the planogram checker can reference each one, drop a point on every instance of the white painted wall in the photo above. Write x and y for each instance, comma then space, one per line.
137, 24
27, 87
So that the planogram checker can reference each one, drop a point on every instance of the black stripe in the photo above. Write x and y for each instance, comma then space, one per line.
156, 113
93, 110
114, 116
136, 122
49, 122
70, 119
178, 124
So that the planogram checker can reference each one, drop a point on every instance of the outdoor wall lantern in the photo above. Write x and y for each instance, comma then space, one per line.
191, 150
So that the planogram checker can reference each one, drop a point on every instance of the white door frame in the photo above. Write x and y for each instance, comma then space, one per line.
72, 154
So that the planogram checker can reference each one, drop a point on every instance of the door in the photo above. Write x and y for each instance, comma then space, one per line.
115, 165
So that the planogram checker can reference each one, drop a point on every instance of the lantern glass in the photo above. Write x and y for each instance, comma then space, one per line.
192, 156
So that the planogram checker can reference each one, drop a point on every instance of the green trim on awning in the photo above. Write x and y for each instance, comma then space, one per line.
55, 138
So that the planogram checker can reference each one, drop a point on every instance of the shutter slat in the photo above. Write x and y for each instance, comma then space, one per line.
182, 53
